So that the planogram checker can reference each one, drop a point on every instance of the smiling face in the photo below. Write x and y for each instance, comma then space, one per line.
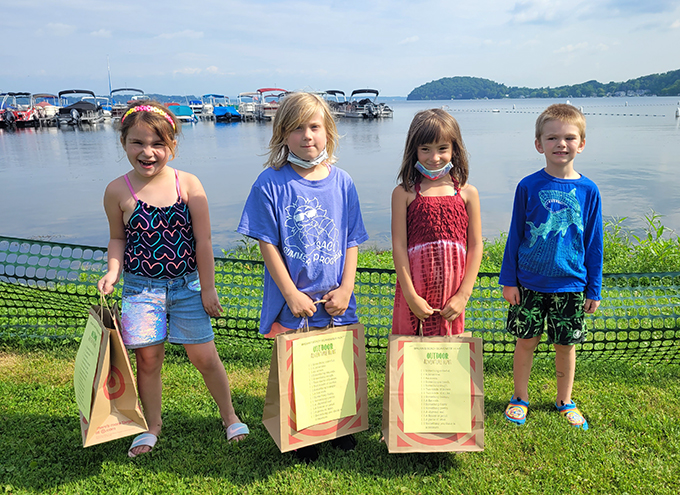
147, 152
560, 143
308, 140
434, 156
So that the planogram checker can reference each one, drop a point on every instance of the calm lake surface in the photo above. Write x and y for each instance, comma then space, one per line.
53, 179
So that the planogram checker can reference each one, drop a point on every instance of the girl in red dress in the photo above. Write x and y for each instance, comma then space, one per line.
436, 229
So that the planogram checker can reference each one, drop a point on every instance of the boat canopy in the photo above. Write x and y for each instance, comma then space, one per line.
365, 91
272, 90
76, 91
21, 94
120, 90
181, 110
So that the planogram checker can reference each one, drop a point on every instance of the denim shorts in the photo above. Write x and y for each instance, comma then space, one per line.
156, 310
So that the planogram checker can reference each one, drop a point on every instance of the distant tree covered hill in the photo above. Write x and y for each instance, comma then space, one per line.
468, 88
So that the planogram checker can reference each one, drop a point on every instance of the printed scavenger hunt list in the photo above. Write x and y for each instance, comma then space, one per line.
437, 389
323, 378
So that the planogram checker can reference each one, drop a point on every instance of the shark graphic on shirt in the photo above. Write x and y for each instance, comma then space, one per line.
564, 211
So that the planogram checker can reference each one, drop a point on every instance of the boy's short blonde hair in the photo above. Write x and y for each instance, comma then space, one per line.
563, 112
295, 110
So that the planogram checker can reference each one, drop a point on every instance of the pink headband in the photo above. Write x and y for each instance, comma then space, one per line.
149, 108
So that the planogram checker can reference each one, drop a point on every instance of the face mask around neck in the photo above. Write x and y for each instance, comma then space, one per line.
296, 160
434, 174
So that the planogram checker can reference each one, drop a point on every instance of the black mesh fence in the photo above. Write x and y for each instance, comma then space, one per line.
47, 288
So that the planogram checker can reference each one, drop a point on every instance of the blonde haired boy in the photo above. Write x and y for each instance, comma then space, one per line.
552, 265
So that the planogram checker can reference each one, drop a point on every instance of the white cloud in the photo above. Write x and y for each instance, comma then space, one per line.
102, 33
187, 33
411, 39
187, 71
534, 11
213, 69
676, 24
572, 48
58, 29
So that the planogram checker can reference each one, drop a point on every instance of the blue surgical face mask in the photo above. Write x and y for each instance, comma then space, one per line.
434, 174
296, 160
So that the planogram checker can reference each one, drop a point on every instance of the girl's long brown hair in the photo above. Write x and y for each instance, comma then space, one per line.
432, 126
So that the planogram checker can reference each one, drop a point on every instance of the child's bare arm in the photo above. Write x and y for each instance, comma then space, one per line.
338, 299
299, 303
475, 249
116, 247
197, 201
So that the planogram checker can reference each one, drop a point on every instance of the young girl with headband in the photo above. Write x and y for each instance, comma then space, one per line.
160, 238
436, 229
305, 213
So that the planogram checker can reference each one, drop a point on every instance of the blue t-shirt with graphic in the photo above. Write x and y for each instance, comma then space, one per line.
312, 223
555, 238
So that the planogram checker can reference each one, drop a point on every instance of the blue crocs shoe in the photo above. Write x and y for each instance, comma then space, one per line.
573, 415
516, 411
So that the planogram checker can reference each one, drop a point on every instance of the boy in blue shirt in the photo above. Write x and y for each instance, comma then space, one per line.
552, 265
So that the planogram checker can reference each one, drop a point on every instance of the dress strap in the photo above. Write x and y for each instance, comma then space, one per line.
179, 193
132, 191
417, 188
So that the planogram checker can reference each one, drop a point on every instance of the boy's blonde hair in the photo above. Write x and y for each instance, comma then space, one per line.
162, 121
295, 110
431, 126
563, 112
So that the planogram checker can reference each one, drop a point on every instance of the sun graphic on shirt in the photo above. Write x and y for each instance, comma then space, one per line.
309, 227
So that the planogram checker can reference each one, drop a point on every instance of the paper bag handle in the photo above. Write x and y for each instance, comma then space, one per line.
420, 324
104, 303
305, 327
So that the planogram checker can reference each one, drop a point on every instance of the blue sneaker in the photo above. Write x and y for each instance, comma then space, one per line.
573, 415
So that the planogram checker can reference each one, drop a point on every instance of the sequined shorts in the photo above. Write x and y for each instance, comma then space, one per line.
156, 310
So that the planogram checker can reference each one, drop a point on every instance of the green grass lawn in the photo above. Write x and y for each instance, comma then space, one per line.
633, 445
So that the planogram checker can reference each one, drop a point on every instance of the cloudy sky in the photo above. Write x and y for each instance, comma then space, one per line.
231, 46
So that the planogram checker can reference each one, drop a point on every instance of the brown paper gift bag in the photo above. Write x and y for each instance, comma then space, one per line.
279, 416
393, 423
103, 380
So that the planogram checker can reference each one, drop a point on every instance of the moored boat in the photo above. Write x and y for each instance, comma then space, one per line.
268, 104
121, 98
81, 111
221, 107
337, 101
103, 101
18, 109
184, 113
197, 106
247, 103
361, 105
47, 108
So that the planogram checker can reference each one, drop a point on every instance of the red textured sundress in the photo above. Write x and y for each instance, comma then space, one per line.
437, 246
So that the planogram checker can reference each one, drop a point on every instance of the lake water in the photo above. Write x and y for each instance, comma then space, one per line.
53, 179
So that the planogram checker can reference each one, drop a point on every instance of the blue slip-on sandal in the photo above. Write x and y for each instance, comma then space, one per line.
573, 415
516, 411
145, 439
236, 429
